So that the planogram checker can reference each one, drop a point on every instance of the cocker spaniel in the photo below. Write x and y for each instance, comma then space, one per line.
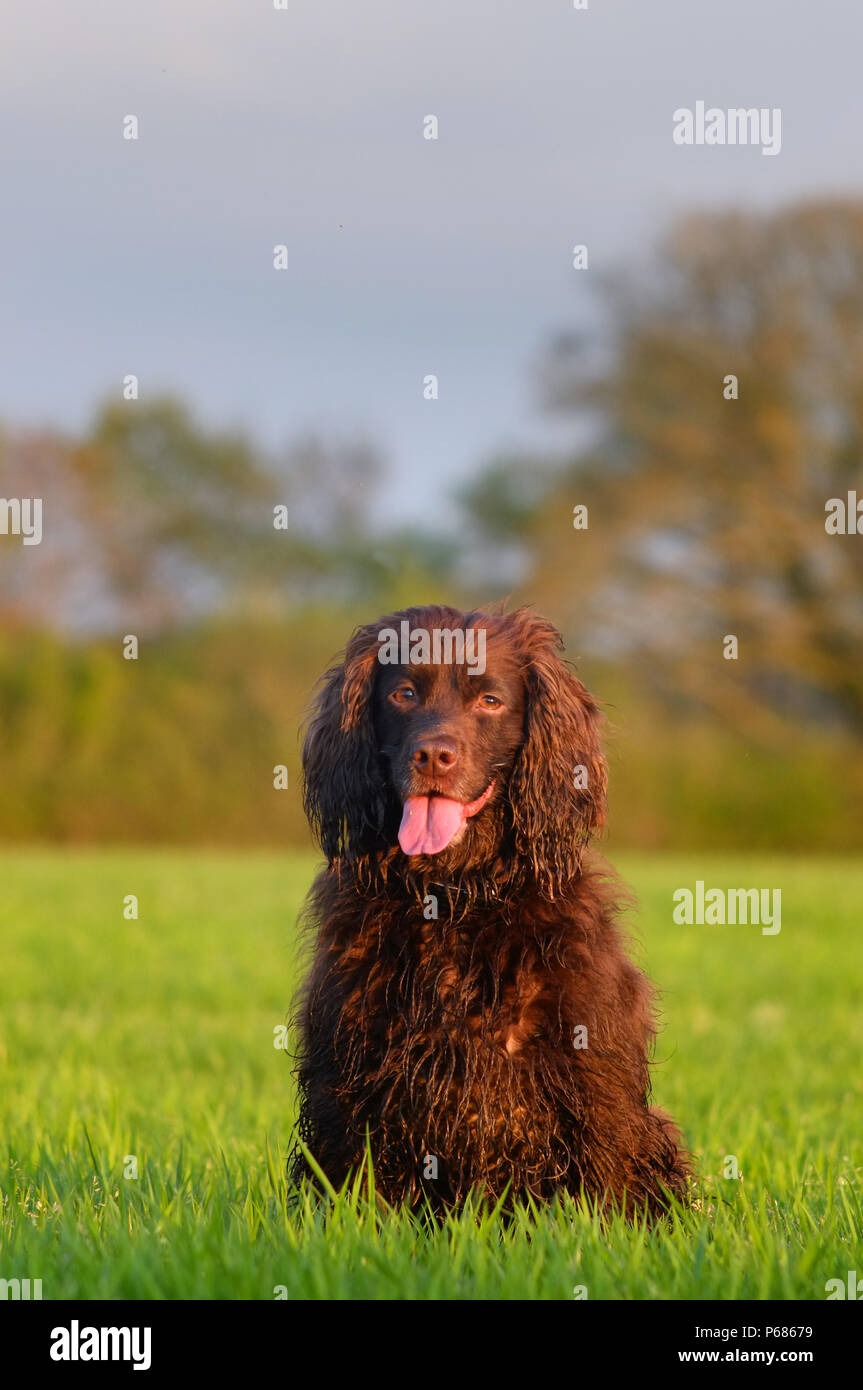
471, 1014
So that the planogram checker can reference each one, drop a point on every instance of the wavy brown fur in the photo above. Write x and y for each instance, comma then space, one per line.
452, 1039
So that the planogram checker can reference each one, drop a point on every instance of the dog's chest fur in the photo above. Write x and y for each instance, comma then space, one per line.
453, 1035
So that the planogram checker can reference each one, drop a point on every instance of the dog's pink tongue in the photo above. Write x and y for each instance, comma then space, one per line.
429, 823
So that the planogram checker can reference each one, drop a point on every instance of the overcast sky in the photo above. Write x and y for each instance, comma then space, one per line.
406, 256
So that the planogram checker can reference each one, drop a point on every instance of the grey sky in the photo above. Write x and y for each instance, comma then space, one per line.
407, 256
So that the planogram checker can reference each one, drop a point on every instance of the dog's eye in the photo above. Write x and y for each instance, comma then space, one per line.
403, 694
490, 702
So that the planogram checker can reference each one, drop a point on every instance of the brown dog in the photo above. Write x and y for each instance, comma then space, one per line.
470, 1008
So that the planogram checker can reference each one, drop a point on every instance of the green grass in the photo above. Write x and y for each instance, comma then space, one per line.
154, 1038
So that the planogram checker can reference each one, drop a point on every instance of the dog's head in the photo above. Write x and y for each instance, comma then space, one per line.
463, 739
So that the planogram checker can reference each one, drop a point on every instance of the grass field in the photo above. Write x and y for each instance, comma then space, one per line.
154, 1039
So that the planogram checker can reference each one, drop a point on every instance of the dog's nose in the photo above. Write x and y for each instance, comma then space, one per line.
435, 757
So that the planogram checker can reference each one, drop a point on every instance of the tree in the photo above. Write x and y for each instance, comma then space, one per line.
150, 520
707, 512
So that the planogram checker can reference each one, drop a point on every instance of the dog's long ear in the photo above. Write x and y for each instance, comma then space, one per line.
559, 783
344, 794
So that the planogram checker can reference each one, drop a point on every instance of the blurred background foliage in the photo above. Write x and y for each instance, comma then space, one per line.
706, 518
